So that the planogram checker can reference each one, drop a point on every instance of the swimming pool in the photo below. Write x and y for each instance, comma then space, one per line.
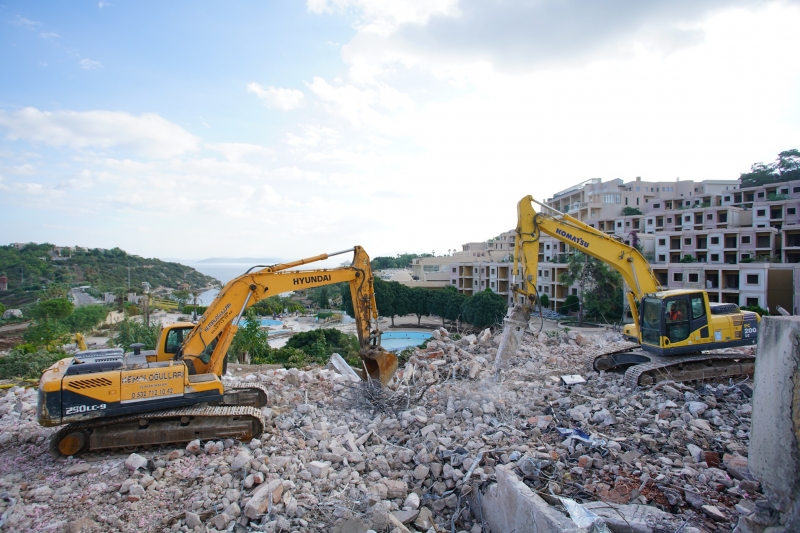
398, 340
270, 322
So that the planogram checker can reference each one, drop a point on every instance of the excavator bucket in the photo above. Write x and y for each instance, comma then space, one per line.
380, 364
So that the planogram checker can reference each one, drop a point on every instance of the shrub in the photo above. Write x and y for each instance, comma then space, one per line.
22, 364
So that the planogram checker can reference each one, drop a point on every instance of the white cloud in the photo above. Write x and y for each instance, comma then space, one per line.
88, 64
22, 21
384, 16
101, 5
277, 97
147, 134
49, 35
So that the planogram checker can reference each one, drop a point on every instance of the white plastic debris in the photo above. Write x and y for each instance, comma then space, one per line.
343, 368
583, 517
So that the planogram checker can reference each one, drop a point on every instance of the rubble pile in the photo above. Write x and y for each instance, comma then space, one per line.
348, 457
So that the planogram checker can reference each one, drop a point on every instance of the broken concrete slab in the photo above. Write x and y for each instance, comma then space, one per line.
509, 505
630, 518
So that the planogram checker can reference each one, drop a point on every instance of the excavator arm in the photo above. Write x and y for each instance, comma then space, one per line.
625, 259
205, 347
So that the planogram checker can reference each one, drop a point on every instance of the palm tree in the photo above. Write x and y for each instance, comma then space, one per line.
195, 293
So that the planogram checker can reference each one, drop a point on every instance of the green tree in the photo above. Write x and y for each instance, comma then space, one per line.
455, 305
438, 300
604, 299
250, 340
130, 331
571, 304
419, 302
578, 271
323, 298
2, 309
384, 298
785, 168
484, 309
55, 309
544, 300
628, 211
85, 319
402, 299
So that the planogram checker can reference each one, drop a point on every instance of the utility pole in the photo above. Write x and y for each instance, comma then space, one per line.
22, 276
129, 277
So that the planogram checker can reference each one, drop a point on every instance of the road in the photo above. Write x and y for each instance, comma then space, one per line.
80, 298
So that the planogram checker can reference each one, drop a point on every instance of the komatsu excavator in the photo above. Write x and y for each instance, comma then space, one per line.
175, 393
670, 329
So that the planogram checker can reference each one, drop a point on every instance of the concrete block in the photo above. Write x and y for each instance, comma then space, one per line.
509, 505
774, 453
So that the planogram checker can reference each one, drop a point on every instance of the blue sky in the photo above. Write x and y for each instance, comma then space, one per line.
285, 129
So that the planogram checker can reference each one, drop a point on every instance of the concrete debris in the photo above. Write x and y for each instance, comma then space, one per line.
448, 447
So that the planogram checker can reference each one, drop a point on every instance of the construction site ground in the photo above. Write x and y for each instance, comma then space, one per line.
345, 457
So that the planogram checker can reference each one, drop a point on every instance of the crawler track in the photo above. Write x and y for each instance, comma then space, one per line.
647, 369
159, 427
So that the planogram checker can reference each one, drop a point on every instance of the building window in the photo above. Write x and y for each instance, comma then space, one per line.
796, 189
662, 258
611, 198
785, 191
575, 292
669, 220
709, 217
791, 210
454, 271
714, 240
693, 278
715, 257
727, 198
687, 241
677, 276
752, 279
650, 221
761, 212
453, 282
745, 239
656, 206
430, 268
619, 224
751, 302
761, 195
662, 242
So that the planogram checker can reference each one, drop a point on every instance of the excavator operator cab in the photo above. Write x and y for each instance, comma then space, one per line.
671, 318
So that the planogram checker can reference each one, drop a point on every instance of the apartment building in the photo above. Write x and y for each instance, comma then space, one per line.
742, 245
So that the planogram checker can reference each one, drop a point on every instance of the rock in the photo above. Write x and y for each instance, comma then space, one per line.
221, 521
318, 469
695, 451
412, 502
176, 454
259, 502
353, 525
405, 517
699, 423
696, 408
424, 520
380, 516
395, 488
135, 462
82, 525
421, 472
12, 313
630, 456
241, 461
136, 490
42, 494
80, 468
194, 446
631, 518
712, 512
192, 520
736, 466
694, 499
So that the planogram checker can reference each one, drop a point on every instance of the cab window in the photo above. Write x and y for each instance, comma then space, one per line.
174, 340
698, 308
677, 319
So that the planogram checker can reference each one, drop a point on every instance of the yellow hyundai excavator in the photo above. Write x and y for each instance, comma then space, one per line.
111, 399
670, 327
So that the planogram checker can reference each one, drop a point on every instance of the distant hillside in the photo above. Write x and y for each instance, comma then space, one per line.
245, 260
40, 264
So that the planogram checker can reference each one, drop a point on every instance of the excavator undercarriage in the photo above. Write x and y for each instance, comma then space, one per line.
644, 368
